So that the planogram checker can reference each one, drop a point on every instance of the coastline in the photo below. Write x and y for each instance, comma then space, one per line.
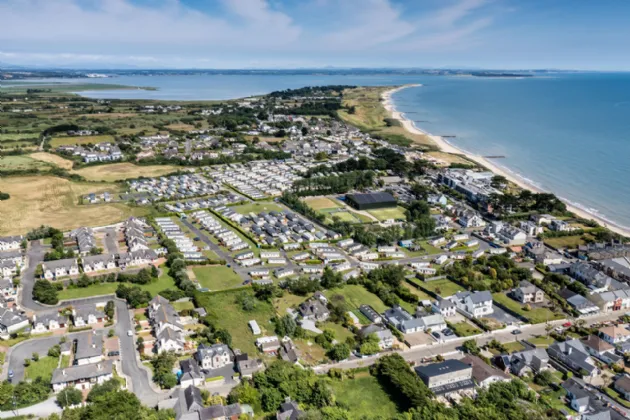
446, 147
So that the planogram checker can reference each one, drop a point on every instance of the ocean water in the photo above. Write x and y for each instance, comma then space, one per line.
565, 133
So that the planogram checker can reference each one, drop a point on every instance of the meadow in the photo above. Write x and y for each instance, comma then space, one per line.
66, 140
119, 171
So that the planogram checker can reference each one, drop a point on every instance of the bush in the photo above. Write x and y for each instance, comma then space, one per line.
44, 292
69, 396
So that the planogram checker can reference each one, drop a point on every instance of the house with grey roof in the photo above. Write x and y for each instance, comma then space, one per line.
524, 362
579, 398
384, 335
190, 373
447, 377
403, 320
247, 367
473, 304
484, 374
370, 314
89, 348
213, 356
89, 314
8, 270
60, 268
445, 307
574, 355
82, 377
314, 309
11, 321
136, 258
289, 410
10, 243
93, 263
528, 293
85, 239
48, 321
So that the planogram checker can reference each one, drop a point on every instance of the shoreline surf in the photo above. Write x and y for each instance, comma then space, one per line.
516, 178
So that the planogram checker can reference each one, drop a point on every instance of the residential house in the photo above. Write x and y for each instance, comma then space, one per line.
402, 320
8, 270
136, 258
601, 350
614, 334
384, 335
190, 373
434, 322
524, 362
85, 239
528, 293
213, 356
89, 348
289, 410
87, 315
447, 377
579, 398
573, 354
60, 268
314, 309
622, 386
471, 219
473, 304
370, 314
268, 344
82, 377
579, 302
11, 321
51, 321
247, 367
10, 243
445, 307
98, 263
614, 300
166, 325
483, 374
288, 351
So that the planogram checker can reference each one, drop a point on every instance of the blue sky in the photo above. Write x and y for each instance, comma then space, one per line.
509, 34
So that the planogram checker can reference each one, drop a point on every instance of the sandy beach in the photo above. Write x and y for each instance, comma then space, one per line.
444, 146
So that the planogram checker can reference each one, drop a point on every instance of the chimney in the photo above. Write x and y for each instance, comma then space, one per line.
569, 350
63, 372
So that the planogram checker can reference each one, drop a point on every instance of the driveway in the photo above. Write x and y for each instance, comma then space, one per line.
111, 242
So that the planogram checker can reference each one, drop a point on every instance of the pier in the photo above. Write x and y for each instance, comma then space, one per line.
494, 157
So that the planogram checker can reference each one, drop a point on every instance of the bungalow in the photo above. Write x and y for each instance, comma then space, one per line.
483, 374
384, 335
579, 302
473, 304
48, 322
11, 321
213, 356
440, 259
614, 335
573, 354
284, 272
9, 243
87, 315
528, 293
268, 345
82, 377
190, 373
370, 314
247, 367
433, 322
60, 268
403, 320
98, 262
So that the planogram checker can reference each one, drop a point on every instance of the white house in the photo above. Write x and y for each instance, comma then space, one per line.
45, 322
213, 356
60, 268
98, 263
474, 304
87, 315
9, 243
82, 377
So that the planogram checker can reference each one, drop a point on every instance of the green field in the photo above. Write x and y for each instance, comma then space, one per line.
570, 242
514, 346
217, 277
535, 315
365, 397
64, 140
464, 329
356, 296
396, 213
541, 341
322, 203
21, 163
443, 287
43, 367
257, 207
180, 306
227, 313
287, 301
163, 282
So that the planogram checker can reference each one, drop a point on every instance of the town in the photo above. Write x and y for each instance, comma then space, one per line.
215, 259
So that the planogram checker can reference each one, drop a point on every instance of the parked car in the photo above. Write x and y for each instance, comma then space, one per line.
516, 332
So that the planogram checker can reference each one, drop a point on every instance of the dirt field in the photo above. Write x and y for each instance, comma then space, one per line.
118, 171
54, 159
47, 200
59, 141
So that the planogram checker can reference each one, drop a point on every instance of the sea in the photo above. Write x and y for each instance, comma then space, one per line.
567, 133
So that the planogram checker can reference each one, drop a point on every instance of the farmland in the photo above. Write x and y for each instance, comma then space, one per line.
54, 159
53, 201
22, 163
120, 171
63, 140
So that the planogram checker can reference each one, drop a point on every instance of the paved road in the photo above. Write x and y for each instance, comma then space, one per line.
111, 240
43, 409
35, 255
25, 350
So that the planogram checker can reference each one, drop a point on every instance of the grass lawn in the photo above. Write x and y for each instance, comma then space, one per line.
616, 396
257, 207
53, 201
356, 296
65, 360
54, 159
514, 346
365, 397
22, 163
387, 214
421, 295
443, 287
320, 203
535, 315
217, 277
541, 341
43, 367
287, 301
565, 241
310, 352
227, 313
341, 333
59, 141
163, 282
180, 306
343, 216
464, 329
118, 171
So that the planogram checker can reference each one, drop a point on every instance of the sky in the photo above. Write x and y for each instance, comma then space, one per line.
493, 34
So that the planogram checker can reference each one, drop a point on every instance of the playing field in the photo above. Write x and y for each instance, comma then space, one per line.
60, 141
257, 207
344, 216
217, 277
118, 171
54, 159
48, 200
320, 203
396, 213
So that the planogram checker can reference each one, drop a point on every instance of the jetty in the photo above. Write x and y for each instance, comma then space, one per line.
494, 157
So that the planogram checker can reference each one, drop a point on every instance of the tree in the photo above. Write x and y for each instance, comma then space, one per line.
45, 292
271, 399
544, 378
162, 369
369, 348
286, 326
54, 351
339, 352
99, 390
69, 396
35, 357
114, 405
109, 309
224, 336
470, 346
